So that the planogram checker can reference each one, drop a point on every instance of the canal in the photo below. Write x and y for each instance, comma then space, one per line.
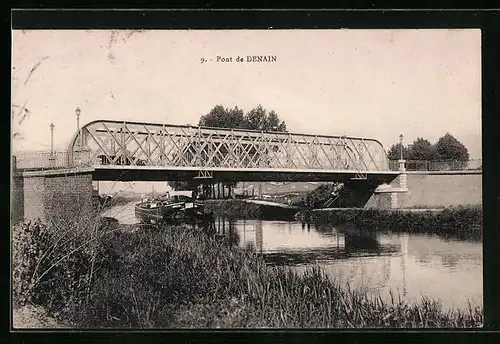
399, 264
407, 265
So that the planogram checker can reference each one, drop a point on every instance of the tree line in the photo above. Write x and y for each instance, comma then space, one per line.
447, 148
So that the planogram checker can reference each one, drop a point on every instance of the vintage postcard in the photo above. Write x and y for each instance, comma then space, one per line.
246, 179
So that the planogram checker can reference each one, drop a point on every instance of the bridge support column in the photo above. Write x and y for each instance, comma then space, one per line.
46, 196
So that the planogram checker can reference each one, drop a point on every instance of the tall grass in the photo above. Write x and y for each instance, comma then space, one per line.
461, 222
56, 265
183, 277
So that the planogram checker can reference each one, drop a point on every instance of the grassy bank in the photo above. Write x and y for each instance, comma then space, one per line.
455, 222
183, 277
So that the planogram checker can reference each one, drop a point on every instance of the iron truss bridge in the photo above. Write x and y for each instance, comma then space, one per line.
202, 152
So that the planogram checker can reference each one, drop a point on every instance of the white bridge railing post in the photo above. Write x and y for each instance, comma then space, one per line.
402, 174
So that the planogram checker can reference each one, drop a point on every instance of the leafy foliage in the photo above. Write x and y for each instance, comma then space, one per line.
55, 266
462, 222
422, 149
221, 117
448, 148
394, 152
255, 119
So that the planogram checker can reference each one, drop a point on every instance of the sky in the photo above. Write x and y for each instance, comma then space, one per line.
369, 83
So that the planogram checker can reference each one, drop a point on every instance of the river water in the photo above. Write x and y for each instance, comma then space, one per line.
405, 265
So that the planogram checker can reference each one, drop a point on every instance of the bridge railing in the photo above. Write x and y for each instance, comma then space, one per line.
423, 165
155, 144
46, 160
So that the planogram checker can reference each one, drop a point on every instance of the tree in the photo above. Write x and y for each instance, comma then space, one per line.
221, 117
394, 152
422, 149
274, 122
448, 148
255, 119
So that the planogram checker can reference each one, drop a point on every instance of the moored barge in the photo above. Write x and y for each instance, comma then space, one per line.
172, 206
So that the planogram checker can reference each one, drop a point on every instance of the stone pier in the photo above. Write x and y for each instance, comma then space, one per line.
51, 194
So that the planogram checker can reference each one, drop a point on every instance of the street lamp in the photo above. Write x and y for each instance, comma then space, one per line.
401, 145
78, 111
51, 139
51, 157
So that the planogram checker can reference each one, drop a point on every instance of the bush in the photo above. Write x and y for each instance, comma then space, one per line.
55, 266
461, 222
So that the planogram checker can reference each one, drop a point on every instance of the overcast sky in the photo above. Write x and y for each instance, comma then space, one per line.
371, 83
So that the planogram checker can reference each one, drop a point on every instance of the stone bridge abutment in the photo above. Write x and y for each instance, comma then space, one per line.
48, 195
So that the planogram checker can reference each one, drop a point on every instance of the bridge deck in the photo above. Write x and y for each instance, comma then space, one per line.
133, 151
156, 173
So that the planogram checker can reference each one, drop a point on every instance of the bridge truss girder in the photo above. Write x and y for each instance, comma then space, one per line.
150, 144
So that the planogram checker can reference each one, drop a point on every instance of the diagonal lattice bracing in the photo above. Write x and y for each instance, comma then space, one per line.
149, 144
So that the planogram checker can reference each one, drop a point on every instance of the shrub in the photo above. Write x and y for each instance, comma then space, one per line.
462, 222
55, 266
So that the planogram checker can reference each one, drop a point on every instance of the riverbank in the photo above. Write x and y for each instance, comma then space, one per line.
184, 277
461, 222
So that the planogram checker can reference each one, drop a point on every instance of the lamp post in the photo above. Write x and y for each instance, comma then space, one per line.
51, 139
51, 157
78, 111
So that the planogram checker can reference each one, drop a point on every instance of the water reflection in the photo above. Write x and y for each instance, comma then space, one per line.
284, 244
410, 265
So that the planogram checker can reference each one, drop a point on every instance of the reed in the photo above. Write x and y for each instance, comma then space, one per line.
461, 222
183, 277
56, 265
